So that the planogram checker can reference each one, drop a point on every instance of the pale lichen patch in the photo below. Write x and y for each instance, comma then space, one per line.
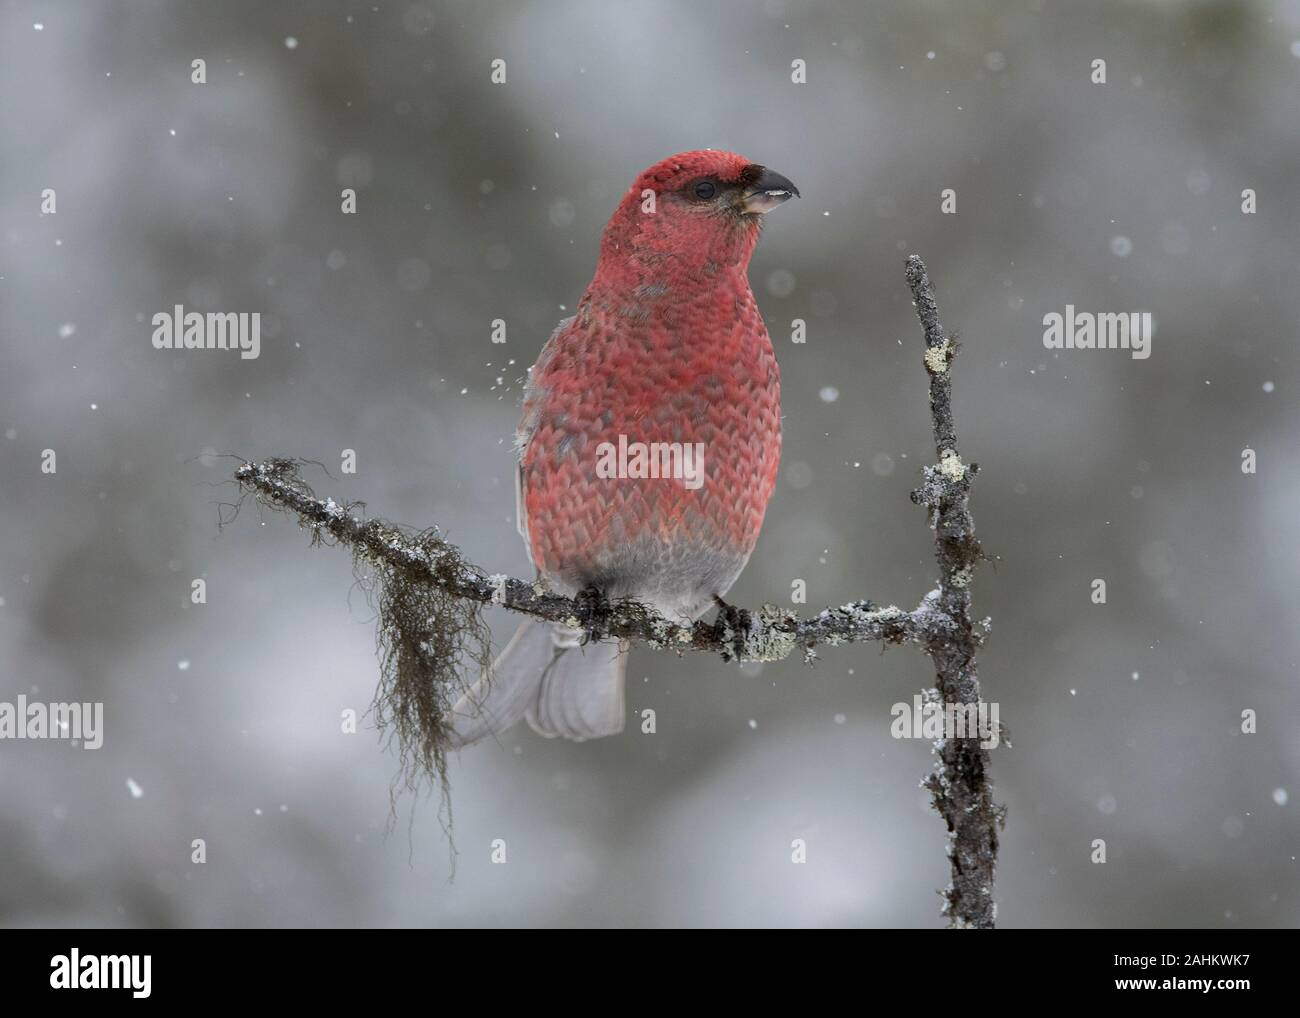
770, 636
951, 466
937, 357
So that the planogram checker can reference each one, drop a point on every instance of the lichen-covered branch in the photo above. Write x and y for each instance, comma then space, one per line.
434, 642
769, 634
960, 785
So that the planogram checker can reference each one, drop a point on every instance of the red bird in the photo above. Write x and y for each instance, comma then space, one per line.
650, 438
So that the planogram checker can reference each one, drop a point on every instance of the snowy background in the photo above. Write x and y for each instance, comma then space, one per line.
481, 201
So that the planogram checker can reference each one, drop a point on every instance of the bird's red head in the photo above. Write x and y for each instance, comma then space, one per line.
713, 182
700, 210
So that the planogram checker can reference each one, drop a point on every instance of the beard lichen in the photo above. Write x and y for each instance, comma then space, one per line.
429, 641
432, 642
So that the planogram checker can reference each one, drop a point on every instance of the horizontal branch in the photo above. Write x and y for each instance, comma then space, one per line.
738, 634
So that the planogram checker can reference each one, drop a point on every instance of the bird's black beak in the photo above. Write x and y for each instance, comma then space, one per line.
764, 189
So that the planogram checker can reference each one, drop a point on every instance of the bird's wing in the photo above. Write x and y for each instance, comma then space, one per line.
528, 425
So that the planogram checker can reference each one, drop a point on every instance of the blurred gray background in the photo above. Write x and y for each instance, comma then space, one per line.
481, 201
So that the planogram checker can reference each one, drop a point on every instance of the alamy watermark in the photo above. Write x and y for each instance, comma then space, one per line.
77, 971
1083, 330
35, 720
179, 329
682, 461
933, 719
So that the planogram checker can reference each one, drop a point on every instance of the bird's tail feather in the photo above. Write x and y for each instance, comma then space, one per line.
561, 688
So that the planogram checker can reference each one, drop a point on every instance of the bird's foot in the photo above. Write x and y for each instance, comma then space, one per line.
593, 613
735, 624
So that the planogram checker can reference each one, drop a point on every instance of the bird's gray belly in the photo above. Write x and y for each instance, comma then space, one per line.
678, 580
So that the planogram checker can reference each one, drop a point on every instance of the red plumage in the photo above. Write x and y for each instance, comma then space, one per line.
666, 347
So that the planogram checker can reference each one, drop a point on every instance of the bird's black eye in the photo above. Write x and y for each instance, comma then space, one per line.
705, 190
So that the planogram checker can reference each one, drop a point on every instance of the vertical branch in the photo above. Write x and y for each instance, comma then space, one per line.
960, 785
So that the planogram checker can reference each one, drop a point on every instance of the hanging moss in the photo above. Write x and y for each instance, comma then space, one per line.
432, 643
